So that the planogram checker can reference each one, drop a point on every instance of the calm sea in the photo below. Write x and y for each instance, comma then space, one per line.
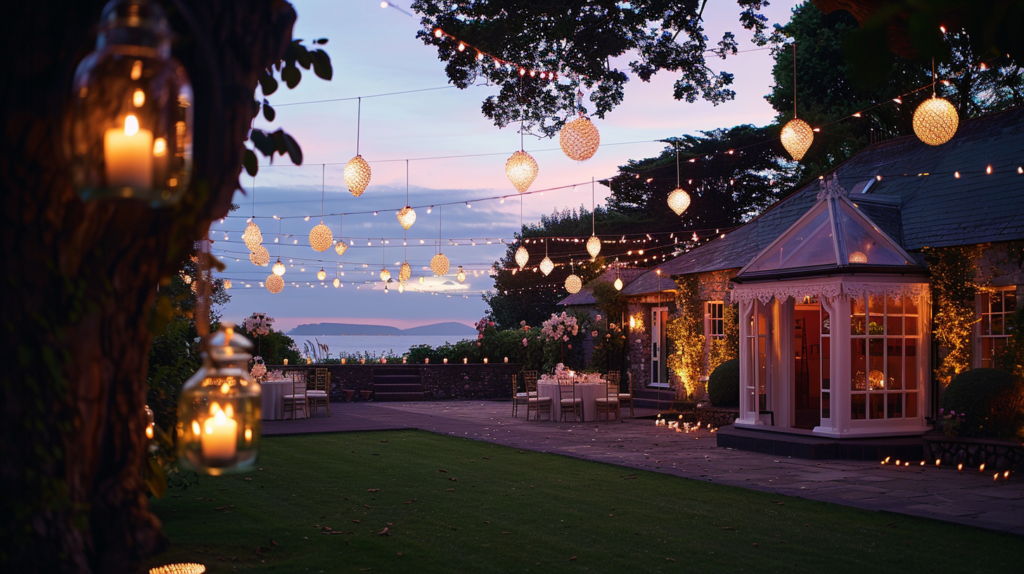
374, 345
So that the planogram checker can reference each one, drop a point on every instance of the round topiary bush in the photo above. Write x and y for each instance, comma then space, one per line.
987, 401
724, 384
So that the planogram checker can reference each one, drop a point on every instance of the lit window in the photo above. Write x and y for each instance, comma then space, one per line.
995, 310
884, 351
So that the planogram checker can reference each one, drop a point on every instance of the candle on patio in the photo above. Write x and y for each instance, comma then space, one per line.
465, 360
220, 434
485, 360
308, 360
286, 361
506, 359
128, 155
342, 361
426, 361
446, 360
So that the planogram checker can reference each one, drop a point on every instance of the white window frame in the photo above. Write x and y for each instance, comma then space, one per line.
709, 335
981, 310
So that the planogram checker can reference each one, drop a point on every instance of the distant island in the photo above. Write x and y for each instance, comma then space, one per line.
449, 329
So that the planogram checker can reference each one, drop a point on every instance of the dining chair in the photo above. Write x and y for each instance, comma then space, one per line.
297, 399
568, 401
609, 403
518, 398
320, 392
530, 376
625, 398
535, 402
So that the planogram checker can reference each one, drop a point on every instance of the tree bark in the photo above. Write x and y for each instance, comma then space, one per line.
79, 279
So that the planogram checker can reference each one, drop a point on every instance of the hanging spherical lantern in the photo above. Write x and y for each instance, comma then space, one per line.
522, 256
618, 284
357, 175
321, 274
252, 236
573, 284
797, 137
406, 217
337, 282
278, 268
404, 272
579, 139
935, 121
227, 284
439, 264
461, 275
546, 266
678, 200
219, 408
858, 257
274, 284
521, 170
320, 237
593, 246
260, 256
341, 247
130, 133
385, 275
179, 568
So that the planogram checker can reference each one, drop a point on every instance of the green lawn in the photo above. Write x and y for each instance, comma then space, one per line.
457, 505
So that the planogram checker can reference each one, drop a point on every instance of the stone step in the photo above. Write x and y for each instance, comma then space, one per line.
397, 387
386, 396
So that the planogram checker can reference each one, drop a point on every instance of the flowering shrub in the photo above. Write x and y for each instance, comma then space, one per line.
951, 422
559, 327
258, 324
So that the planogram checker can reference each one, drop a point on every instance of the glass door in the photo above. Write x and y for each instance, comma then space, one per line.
659, 354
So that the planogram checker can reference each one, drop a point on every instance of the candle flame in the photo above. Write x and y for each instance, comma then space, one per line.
136, 70
159, 147
131, 125
248, 434
138, 98
149, 431
195, 428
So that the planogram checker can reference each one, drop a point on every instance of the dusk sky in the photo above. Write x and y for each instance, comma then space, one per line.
375, 51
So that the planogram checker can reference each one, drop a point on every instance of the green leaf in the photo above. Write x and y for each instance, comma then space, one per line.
264, 143
291, 76
249, 162
322, 64
302, 56
268, 112
267, 83
320, 41
294, 151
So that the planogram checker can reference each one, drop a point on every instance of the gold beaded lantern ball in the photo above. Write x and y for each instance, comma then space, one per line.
274, 284
260, 256
252, 236
321, 238
278, 268
521, 170
404, 272
797, 137
618, 284
406, 217
461, 275
227, 284
858, 257
357, 175
337, 282
546, 266
679, 200
341, 247
579, 139
522, 256
935, 121
573, 283
385, 275
593, 246
321, 274
439, 264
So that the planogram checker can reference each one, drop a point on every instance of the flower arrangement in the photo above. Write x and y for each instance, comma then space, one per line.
258, 324
559, 327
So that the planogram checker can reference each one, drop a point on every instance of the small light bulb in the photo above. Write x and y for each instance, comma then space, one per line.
462, 47
438, 33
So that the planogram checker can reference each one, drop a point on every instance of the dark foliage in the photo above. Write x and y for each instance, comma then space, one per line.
724, 384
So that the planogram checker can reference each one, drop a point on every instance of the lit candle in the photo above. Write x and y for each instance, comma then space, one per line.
465, 360
426, 361
220, 435
446, 360
506, 359
343, 360
128, 154
308, 360
286, 361
485, 360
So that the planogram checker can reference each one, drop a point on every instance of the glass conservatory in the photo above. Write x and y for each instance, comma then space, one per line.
834, 323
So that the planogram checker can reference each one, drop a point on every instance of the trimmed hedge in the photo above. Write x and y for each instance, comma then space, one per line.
724, 384
988, 400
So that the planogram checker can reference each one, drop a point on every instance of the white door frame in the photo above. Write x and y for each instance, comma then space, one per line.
658, 353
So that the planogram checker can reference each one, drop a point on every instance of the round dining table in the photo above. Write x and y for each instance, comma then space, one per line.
587, 392
273, 398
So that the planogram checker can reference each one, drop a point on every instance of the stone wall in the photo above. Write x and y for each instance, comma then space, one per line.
972, 453
1001, 265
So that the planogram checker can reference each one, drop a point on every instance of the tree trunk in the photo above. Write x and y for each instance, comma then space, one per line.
79, 279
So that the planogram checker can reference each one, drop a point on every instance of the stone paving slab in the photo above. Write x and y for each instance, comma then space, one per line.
969, 498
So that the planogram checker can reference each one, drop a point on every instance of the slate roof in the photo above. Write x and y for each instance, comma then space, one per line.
934, 210
585, 295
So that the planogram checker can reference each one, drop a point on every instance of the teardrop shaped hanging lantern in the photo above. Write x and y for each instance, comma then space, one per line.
406, 217
404, 272
439, 265
521, 170
935, 121
252, 236
357, 175
579, 139
260, 256
461, 275
321, 274
678, 200
278, 268
321, 238
337, 282
593, 246
573, 283
385, 275
274, 284
522, 256
797, 137
618, 284
546, 266
341, 247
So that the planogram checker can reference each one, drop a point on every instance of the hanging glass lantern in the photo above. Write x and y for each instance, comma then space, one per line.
131, 118
521, 170
252, 236
439, 265
593, 246
935, 121
278, 268
579, 139
618, 284
321, 274
385, 275
150, 422
546, 266
337, 282
341, 247
357, 175
260, 257
461, 275
522, 256
219, 408
274, 284
797, 137
404, 272
679, 200
320, 237
406, 217
573, 284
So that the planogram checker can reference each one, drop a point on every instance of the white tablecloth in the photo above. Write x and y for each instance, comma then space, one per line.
273, 398
588, 392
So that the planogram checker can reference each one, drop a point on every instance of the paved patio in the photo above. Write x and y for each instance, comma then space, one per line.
971, 498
